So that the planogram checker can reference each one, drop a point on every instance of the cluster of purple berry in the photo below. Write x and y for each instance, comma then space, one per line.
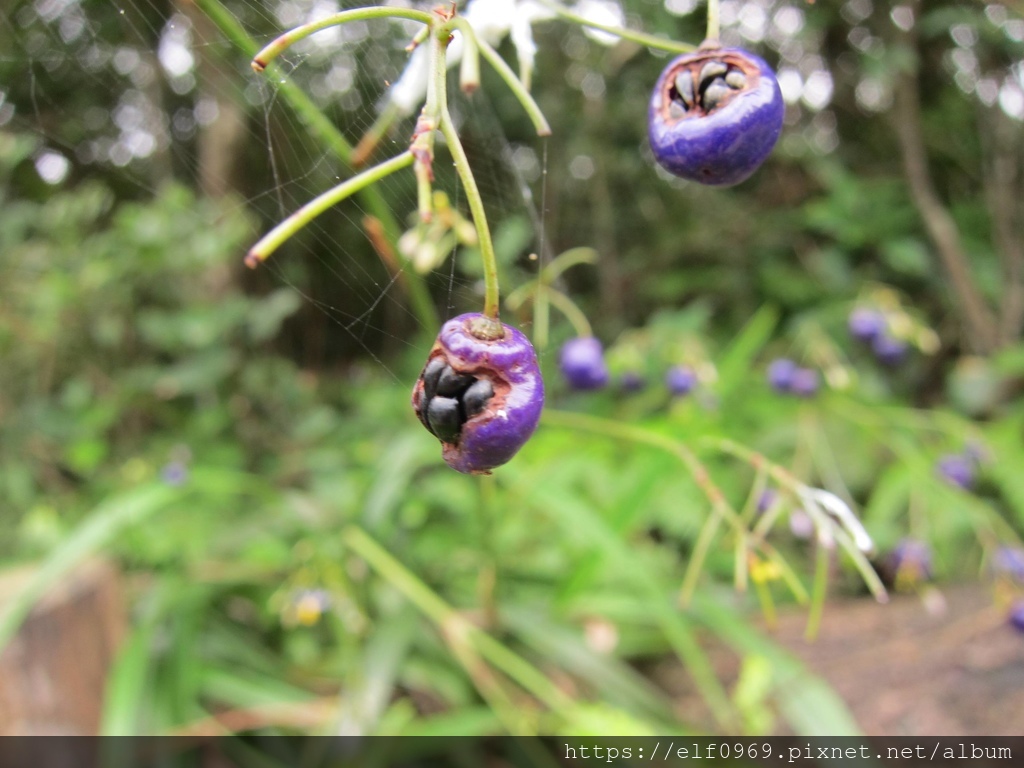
870, 327
786, 377
714, 117
583, 366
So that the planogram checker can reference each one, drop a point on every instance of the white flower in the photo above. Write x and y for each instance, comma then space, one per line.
817, 500
606, 12
492, 20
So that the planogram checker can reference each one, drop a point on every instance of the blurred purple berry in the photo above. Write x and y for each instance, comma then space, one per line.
715, 115
174, 473
680, 380
582, 363
800, 524
481, 397
911, 560
804, 382
780, 374
766, 500
866, 324
888, 350
956, 469
1009, 561
631, 381
1016, 616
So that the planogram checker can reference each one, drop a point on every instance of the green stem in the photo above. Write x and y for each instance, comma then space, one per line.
700, 553
513, 82
651, 41
819, 592
271, 241
568, 307
492, 296
619, 431
323, 130
426, 126
713, 30
280, 44
445, 617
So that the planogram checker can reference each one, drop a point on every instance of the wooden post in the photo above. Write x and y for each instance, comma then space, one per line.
52, 674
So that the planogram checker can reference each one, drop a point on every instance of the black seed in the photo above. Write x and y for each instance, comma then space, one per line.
452, 384
443, 416
430, 376
717, 91
710, 71
736, 79
684, 87
475, 398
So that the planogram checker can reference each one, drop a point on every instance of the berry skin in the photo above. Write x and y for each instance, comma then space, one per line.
582, 363
956, 470
481, 398
804, 382
715, 115
680, 380
780, 374
1016, 617
865, 324
889, 351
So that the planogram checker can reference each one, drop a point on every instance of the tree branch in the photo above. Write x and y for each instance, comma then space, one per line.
981, 324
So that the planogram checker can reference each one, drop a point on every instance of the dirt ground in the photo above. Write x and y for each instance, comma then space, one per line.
904, 670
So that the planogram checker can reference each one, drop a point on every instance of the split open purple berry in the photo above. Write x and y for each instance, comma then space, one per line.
680, 380
715, 115
582, 363
866, 324
481, 398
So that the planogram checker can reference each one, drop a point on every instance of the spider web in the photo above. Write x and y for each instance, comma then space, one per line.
152, 61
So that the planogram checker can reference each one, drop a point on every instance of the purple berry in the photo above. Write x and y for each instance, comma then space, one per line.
888, 350
680, 380
804, 382
481, 397
866, 324
911, 560
956, 470
582, 363
800, 524
766, 500
174, 473
715, 115
631, 381
1009, 561
1016, 617
780, 374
